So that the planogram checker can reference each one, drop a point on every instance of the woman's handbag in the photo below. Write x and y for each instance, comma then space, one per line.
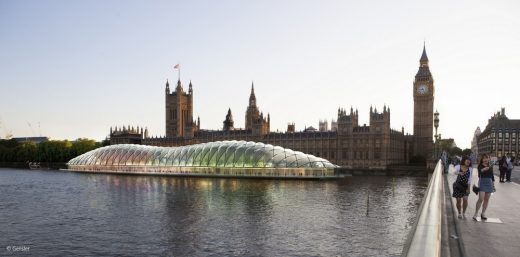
476, 189
458, 187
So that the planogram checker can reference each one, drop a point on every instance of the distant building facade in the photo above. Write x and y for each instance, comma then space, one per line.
500, 137
474, 141
323, 126
128, 135
348, 143
334, 125
35, 140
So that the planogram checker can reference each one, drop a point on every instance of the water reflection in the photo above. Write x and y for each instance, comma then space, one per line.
95, 214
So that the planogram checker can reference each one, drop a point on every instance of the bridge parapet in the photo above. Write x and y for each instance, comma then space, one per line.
425, 236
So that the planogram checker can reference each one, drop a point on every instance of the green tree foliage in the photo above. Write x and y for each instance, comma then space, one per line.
466, 152
455, 151
447, 145
48, 151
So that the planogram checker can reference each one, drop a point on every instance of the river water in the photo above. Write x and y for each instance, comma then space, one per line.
59, 213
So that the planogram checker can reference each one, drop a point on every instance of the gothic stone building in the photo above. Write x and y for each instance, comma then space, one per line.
500, 137
349, 144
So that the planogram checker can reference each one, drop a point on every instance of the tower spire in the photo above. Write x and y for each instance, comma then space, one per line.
252, 97
424, 57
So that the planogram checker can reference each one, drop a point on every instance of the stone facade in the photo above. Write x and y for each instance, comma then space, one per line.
128, 135
474, 141
179, 112
500, 137
255, 121
348, 143
423, 96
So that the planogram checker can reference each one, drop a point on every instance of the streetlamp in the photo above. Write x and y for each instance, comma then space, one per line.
436, 125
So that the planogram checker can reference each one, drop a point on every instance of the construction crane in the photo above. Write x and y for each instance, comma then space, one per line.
32, 130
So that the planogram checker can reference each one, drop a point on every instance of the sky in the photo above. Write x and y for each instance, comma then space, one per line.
73, 69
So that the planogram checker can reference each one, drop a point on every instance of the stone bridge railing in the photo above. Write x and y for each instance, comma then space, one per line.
425, 237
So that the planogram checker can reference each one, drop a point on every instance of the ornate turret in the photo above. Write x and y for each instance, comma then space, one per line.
125, 135
228, 123
179, 112
345, 122
424, 70
252, 97
178, 89
252, 112
376, 117
167, 87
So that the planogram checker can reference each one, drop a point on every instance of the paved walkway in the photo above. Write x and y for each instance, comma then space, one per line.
486, 238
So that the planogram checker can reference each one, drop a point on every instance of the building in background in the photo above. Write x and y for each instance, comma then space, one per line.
35, 140
128, 135
500, 137
179, 112
423, 96
474, 142
348, 143
323, 125
334, 125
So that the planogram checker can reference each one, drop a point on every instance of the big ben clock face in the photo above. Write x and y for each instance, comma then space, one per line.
422, 89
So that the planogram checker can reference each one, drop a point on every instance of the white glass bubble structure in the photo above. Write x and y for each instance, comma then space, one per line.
225, 155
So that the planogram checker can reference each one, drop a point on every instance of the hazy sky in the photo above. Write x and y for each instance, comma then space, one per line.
79, 67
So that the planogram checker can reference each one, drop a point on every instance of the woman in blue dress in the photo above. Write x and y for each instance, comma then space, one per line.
486, 184
461, 185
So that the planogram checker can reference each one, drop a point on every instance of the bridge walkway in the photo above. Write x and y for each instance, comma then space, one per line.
500, 235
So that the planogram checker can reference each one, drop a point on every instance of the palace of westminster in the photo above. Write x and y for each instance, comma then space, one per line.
348, 144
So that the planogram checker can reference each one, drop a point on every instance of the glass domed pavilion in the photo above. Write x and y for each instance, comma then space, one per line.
221, 158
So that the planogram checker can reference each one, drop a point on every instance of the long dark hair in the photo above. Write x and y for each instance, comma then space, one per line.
463, 160
482, 156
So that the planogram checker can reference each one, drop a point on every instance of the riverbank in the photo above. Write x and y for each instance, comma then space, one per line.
403, 170
24, 165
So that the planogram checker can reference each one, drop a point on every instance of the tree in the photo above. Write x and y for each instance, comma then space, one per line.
455, 151
466, 152
81, 146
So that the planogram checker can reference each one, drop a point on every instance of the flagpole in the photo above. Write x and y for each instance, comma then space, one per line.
178, 67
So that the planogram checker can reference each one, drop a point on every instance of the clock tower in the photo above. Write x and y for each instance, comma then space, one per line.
423, 94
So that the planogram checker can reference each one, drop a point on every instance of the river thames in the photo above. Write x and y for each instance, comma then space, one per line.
60, 213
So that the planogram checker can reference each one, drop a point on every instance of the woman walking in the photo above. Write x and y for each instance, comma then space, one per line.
461, 185
486, 184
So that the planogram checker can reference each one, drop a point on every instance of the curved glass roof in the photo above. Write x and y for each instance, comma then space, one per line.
238, 154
